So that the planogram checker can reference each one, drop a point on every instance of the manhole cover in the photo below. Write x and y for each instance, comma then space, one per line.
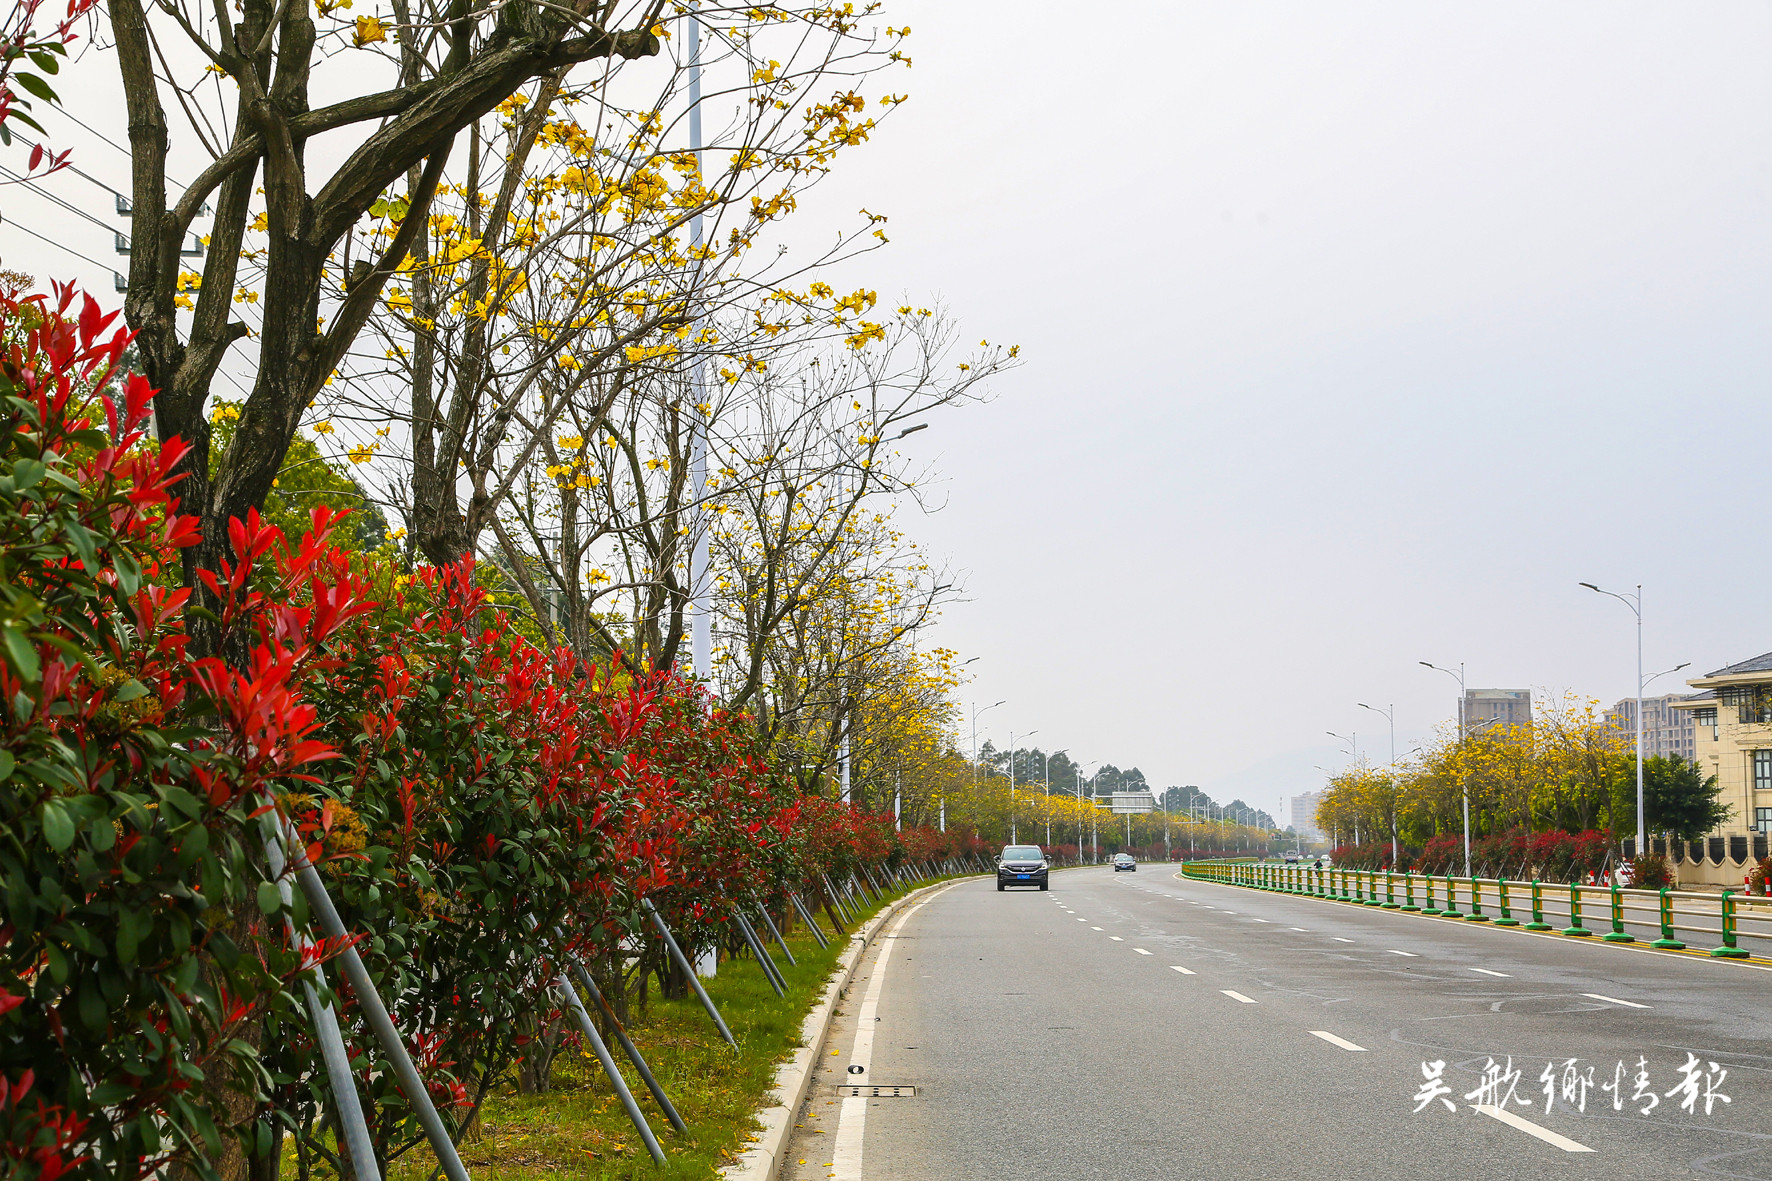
875, 1091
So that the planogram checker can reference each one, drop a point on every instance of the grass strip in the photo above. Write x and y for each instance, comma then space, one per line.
577, 1129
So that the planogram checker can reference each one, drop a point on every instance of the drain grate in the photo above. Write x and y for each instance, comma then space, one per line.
875, 1091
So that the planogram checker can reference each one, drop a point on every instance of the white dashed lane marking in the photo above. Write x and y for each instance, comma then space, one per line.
1237, 996
1394, 951
1182, 970
1095, 928
1530, 1128
1141, 951
1116, 939
1489, 972
1339, 939
1336, 1041
1612, 1000
1299, 929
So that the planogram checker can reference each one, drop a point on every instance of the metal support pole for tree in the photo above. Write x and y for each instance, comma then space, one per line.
337, 1059
587, 1027
375, 1015
762, 953
627, 1045
764, 911
688, 970
817, 931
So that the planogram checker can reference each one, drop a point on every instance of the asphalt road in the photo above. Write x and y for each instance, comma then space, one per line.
1139, 1026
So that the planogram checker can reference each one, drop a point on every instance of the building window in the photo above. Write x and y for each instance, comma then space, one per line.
1762, 770
1763, 820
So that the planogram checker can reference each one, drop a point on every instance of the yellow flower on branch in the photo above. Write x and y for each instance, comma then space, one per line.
369, 29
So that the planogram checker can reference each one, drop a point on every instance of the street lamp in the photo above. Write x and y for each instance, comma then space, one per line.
1635, 602
1012, 829
975, 712
1464, 782
1353, 742
1390, 715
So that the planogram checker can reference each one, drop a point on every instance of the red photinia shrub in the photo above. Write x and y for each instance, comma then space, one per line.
475, 805
133, 971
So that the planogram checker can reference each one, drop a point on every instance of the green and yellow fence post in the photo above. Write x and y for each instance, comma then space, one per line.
1427, 880
1729, 951
1507, 918
1667, 939
1450, 910
1409, 891
1537, 923
1618, 934
1359, 895
1575, 927
1390, 890
1347, 893
1372, 888
1476, 915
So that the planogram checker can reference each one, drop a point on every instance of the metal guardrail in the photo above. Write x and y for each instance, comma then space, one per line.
1578, 911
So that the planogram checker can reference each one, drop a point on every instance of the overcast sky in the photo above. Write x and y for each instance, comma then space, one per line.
1355, 334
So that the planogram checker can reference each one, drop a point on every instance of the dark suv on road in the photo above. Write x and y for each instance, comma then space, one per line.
1021, 865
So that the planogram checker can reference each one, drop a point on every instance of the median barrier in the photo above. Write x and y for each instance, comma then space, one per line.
1681, 919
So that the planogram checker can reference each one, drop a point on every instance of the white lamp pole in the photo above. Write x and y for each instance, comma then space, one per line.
1390, 715
1635, 603
1464, 781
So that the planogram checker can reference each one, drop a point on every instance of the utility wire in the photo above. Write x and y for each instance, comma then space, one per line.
82, 175
73, 209
95, 262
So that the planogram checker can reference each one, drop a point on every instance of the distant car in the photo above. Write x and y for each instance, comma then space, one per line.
1022, 865
1289, 857
1125, 861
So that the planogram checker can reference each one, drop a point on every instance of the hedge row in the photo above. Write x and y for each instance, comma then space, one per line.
479, 808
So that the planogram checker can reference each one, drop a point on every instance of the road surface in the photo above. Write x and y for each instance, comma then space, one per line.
1140, 1026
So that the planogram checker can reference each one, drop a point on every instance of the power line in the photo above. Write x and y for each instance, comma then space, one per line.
59, 246
82, 175
63, 111
43, 192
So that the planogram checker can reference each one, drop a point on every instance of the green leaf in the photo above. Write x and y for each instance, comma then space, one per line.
132, 927
183, 800
58, 826
129, 574
129, 690
6, 764
19, 653
46, 61
36, 86
26, 473
269, 900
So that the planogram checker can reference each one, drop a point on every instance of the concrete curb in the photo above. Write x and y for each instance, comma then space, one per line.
793, 1078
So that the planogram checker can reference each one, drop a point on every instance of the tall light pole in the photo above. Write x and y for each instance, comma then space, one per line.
1012, 828
1390, 715
1463, 780
975, 712
1635, 602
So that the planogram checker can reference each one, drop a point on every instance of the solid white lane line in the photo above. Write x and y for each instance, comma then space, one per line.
852, 1115
1237, 996
1116, 939
1530, 1128
1336, 1041
1394, 951
1141, 951
1339, 939
1182, 970
1612, 1000
1488, 972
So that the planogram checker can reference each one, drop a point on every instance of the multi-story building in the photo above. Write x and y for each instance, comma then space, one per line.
1300, 814
1732, 721
1667, 730
1502, 707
